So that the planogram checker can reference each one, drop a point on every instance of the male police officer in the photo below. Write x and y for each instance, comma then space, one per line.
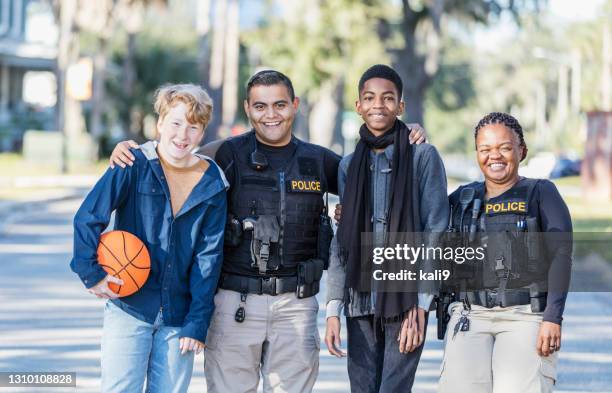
265, 315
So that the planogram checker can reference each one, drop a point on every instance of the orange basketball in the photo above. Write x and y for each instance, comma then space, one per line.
124, 256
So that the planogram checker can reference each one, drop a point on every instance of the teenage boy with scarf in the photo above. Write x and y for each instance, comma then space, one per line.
386, 186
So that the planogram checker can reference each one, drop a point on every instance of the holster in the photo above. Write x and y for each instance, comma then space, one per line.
443, 301
308, 276
233, 231
326, 233
265, 232
538, 298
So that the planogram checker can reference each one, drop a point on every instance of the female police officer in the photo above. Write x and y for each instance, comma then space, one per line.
505, 325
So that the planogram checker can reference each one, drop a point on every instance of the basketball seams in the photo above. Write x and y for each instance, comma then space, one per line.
136, 256
130, 261
128, 273
112, 254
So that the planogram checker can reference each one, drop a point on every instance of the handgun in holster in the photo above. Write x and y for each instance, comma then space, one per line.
233, 231
266, 231
326, 233
308, 276
443, 301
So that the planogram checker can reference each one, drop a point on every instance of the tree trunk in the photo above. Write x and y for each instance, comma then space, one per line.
68, 108
411, 67
414, 98
337, 139
203, 29
232, 56
216, 70
606, 77
562, 96
129, 80
326, 111
99, 88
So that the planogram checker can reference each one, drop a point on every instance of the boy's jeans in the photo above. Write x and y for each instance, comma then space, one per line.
375, 364
133, 350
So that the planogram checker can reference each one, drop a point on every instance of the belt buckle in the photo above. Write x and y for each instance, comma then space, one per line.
268, 285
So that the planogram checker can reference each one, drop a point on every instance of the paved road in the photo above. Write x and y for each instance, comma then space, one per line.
48, 322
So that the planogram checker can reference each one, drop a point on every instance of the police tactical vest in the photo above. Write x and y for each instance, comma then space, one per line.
510, 236
293, 194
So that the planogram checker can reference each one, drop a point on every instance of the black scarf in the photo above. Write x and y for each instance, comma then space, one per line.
357, 213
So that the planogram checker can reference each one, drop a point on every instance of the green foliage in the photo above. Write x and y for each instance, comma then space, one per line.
320, 41
325, 40
159, 58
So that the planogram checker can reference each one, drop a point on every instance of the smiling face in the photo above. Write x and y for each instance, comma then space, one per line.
271, 112
379, 105
499, 153
178, 137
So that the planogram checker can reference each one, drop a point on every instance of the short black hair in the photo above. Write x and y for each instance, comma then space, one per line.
269, 78
506, 120
384, 72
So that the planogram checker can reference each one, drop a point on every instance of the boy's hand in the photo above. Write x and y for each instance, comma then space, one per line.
412, 332
418, 134
332, 337
102, 290
121, 154
187, 344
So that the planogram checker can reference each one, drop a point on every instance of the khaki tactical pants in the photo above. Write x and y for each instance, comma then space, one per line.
497, 354
278, 338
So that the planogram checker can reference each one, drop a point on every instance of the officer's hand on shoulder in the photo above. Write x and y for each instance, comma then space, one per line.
417, 135
337, 212
122, 155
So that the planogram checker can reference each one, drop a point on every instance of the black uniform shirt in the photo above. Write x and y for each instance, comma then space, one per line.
277, 157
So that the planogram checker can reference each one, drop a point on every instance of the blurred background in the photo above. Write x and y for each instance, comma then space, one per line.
77, 76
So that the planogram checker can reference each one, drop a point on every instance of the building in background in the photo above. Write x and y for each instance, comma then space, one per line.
28, 52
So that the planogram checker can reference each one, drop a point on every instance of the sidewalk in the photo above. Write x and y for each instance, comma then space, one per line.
22, 194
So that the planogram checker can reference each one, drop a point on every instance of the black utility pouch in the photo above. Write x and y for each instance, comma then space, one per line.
533, 238
443, 301
326, 233
233, 231
538, 301
308, 276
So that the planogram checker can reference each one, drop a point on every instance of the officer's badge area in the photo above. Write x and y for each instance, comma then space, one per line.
304, 185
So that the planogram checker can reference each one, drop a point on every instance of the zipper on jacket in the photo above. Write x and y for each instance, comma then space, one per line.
282, 216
